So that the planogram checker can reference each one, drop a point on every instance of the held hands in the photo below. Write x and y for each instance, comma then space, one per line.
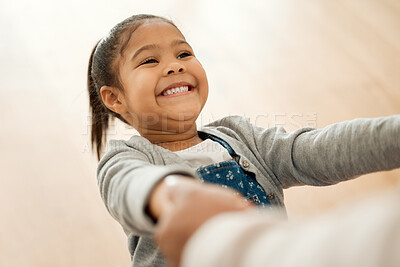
185, 204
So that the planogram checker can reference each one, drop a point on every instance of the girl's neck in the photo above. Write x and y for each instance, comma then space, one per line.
175, 142
180, 144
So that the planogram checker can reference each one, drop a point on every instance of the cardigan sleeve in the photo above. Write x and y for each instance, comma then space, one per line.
126, 178
327, 156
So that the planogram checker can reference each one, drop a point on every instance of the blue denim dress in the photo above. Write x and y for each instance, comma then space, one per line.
230, 174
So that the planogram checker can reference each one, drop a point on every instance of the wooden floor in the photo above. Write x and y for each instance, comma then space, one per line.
290, 63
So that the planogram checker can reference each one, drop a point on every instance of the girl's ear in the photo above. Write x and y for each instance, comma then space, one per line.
113, 98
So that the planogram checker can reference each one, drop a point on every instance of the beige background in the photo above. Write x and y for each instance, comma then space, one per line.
292, 63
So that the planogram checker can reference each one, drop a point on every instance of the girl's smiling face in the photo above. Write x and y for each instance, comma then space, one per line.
164, 85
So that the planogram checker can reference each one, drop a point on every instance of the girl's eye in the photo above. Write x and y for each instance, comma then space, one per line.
149, 61
184, 54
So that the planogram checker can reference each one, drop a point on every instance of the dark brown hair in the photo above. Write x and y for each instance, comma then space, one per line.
103, 71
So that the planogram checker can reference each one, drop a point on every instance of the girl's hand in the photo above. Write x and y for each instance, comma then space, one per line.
160, 199
190, 204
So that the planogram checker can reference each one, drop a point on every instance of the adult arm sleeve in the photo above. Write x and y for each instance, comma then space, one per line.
366, 234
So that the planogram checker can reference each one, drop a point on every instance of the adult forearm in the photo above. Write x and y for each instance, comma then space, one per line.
365, 234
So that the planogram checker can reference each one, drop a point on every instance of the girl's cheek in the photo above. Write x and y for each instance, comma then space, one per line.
198, 68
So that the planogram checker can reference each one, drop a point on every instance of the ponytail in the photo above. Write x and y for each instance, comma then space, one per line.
99, 112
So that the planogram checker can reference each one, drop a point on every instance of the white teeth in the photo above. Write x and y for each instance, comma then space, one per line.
176, 90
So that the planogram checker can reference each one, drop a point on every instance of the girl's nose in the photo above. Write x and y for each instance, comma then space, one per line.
174, 68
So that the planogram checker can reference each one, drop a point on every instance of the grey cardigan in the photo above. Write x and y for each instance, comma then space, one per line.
130, 169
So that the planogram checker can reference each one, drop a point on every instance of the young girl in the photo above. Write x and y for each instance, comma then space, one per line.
146, 74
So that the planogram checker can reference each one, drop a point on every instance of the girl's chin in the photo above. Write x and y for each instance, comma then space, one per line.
184, 116
184, 111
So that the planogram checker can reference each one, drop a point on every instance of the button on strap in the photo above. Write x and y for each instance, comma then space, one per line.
245, 164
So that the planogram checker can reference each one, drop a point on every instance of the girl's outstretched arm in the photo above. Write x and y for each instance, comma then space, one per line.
126, 179
335, 153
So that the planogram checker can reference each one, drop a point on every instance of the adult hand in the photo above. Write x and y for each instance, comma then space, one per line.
190, 206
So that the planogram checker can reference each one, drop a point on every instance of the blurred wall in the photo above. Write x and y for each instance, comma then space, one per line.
290, 63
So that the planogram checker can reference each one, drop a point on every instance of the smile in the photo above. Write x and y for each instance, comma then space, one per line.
177, 90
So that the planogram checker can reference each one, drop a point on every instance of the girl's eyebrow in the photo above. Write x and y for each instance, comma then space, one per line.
155, 46
179, 41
